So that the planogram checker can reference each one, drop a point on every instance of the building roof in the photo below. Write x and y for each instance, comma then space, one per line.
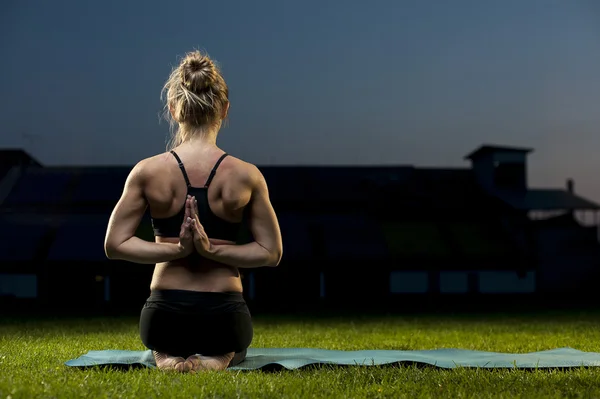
546, 200
488, 148
14, 156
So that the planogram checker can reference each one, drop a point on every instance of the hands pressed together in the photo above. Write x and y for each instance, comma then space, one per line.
192, 236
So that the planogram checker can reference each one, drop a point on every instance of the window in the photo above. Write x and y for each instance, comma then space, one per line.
408, 282
18, 285
506, 282
454, 282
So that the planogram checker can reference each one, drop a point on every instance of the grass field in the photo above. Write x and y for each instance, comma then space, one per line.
32, 353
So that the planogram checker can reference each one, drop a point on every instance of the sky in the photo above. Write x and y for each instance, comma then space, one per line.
418, 82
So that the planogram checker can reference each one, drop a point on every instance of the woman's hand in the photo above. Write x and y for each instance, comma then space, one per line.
186, 234
201, 241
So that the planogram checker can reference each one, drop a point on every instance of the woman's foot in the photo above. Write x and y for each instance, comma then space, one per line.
176, 363
199, 362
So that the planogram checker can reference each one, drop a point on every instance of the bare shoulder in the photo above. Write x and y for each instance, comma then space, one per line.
244, 172
157, 162
151, 166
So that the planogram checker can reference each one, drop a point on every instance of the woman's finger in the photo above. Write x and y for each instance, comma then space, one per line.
195, 206
187, 207
197, 221
193, 212
198, 230
195, 228
185, 227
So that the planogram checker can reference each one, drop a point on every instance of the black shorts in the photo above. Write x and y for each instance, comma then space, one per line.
185, 323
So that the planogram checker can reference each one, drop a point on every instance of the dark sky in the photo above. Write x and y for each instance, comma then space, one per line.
312, 82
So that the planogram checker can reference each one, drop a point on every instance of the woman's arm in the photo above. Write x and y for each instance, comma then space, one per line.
121, 242
266, 249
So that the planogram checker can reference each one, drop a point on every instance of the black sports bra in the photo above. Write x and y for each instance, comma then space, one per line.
214, 226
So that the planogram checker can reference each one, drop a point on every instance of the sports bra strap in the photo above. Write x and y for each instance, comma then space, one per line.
185, 176
214, 170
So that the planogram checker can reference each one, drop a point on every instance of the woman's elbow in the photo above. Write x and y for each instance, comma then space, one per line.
111, 250
275, 258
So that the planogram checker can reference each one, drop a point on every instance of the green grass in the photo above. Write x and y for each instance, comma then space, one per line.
32, 355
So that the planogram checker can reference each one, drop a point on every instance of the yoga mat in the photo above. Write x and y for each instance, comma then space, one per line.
293, 358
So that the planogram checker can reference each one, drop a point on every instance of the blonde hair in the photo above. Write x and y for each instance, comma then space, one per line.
195, 97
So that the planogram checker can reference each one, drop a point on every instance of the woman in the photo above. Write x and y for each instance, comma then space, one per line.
196, 317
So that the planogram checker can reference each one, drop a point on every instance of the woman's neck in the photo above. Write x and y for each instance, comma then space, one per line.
201, 137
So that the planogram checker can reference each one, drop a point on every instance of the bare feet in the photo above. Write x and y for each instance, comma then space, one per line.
166, 362
200, 362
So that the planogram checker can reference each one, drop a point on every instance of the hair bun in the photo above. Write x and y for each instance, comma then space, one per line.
198, 64
197, 72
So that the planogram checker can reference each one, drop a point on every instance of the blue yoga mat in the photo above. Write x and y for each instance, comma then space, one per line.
293, 358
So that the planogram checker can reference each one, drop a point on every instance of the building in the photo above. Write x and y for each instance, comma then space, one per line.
351, 234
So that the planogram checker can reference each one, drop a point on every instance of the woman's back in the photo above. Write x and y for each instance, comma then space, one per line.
221, 188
